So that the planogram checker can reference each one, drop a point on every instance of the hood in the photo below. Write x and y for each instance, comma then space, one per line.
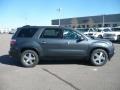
113, 32
97, 40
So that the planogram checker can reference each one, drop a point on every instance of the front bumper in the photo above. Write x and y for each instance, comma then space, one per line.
111, 52
111, 55
113, 38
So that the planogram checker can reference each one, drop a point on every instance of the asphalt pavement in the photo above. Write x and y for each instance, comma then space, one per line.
57, 75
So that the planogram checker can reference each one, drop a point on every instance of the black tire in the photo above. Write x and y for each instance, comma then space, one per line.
100, 36
96, 60
29, 58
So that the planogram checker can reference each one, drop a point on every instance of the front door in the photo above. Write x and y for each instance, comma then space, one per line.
73, 46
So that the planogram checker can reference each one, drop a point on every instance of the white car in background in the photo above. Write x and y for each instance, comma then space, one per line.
88, 32
91, 32
98, 32
114, 35
4, 31
95, 32
101, 31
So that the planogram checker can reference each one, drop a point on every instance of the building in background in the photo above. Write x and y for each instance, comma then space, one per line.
4, 30
111, 20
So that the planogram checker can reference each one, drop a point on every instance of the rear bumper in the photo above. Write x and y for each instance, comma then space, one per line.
14, 52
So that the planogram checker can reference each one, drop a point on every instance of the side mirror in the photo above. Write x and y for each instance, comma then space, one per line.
80, 39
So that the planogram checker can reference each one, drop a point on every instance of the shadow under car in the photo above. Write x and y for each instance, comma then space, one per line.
8, 60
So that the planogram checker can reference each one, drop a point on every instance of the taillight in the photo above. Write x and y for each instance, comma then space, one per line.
13, 41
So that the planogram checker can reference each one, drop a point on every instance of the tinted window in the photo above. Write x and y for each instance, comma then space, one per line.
107, 30
99, 30
52, 33
116, 29
69, 34
27, 32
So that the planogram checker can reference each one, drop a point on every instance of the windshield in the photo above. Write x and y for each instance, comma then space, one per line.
105, 30
116, 29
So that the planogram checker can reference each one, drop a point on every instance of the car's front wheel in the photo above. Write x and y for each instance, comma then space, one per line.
100, 36
29, 58
99, 57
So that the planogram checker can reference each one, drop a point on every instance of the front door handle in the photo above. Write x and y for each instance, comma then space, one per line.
43, 42
68, 43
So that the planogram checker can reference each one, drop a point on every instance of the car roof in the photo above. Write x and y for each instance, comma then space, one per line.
28, 26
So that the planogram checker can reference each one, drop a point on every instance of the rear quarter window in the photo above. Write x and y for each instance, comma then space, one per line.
27, 32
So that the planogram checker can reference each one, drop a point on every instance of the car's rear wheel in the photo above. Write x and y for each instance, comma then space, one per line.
29, 58
99, 57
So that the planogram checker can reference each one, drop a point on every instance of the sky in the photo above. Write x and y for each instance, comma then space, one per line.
16, 13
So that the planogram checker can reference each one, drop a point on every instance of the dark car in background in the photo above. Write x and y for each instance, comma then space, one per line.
31, 43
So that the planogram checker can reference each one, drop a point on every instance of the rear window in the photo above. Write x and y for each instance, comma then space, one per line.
27, 32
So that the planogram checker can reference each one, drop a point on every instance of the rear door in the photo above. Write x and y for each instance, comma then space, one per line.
51, 42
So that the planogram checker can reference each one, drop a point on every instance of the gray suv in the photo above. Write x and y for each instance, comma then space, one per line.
32, 43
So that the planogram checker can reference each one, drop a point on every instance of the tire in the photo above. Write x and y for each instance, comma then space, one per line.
100, 36
29, 58
99, 57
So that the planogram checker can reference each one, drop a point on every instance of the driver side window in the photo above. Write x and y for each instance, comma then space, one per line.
69, 34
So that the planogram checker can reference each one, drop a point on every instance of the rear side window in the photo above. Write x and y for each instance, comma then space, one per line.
27, 32
51, 33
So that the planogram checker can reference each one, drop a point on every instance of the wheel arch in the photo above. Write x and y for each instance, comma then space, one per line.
107, 51
30, 48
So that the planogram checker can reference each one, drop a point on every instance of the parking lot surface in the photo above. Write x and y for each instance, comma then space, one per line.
57, 75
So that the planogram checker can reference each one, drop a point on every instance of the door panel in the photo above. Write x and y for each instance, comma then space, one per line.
66, 46
74, 48
53, 47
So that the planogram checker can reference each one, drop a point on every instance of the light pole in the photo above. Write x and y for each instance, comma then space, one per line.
59, 11
103, 20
